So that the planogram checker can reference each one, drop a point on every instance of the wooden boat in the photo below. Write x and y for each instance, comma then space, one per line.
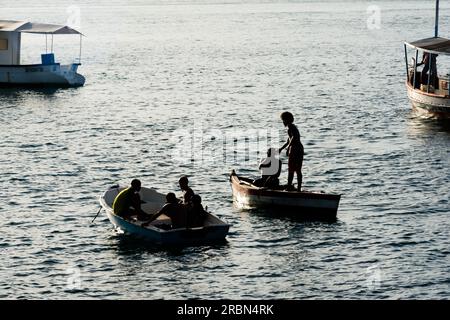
213, 230
429, 96
310, 205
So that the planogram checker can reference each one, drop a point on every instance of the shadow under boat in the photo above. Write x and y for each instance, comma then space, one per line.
289, 213
130, 245
16, 91
420, 125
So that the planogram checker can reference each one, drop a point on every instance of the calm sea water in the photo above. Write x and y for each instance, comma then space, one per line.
154, 70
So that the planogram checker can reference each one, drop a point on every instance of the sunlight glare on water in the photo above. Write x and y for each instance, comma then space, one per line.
153, 69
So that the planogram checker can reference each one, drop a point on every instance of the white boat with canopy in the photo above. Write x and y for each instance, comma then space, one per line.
428, 91
48, 72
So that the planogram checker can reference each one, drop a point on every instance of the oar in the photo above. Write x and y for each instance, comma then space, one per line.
100, 209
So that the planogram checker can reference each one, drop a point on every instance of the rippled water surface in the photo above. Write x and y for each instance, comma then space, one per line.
154, 70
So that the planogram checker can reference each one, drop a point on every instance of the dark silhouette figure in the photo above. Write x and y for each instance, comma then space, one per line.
197, 214
270, 168
187, 191
128, 202
426, 68
174, 210
295, 150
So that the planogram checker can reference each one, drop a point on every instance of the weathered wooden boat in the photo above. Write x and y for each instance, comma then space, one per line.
157, 232
310, 205
428, 92
48, 73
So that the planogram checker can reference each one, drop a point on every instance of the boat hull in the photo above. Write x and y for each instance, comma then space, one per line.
212, 233
303, 204
428, 104
53, 75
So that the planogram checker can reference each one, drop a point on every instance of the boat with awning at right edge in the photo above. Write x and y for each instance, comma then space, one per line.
304, 204
428, 91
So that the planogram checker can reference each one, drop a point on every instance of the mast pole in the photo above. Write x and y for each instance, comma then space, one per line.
415, 70
81, 41
436, 25
406, 62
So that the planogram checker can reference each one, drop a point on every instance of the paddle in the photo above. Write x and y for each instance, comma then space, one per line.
100, 209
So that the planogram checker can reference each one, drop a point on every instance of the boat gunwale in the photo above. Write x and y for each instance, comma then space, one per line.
433, 95
38, 65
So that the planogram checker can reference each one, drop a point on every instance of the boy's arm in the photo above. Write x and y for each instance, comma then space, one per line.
157, 214
285, 145
136, 203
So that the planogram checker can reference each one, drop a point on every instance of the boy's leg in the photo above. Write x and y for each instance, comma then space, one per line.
299, 180
290, 177
299, 173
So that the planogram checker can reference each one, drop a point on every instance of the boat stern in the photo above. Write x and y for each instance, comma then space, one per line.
69, 72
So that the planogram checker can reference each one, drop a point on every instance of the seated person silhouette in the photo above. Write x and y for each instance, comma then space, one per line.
270, 169
197, 214
128, 202
176, 211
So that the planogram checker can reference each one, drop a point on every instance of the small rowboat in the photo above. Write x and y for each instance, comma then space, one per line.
308, 205
158, 232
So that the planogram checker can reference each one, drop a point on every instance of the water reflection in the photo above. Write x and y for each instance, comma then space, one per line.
12, 97
419, 125
290, 215
26, 92
130, 246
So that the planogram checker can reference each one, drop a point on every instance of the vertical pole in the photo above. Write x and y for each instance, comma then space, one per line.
12, 49
406, 63
81, 41
415, 69
52, 44
46, 50
429, 72
436, 21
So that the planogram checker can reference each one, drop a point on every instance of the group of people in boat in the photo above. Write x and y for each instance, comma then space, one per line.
187, 212
270, 166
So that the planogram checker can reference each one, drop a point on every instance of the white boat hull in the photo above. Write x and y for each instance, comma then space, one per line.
429, 104
41, 75
214, 229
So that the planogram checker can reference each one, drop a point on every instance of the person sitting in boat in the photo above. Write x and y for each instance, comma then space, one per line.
176, 211
270, 169
187, 191
426, 68
196, 214
128, 202
295, 150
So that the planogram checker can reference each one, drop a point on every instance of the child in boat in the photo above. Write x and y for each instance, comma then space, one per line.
197, 215
128, 202
270, 169
174, 210
295, 150
187, 191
